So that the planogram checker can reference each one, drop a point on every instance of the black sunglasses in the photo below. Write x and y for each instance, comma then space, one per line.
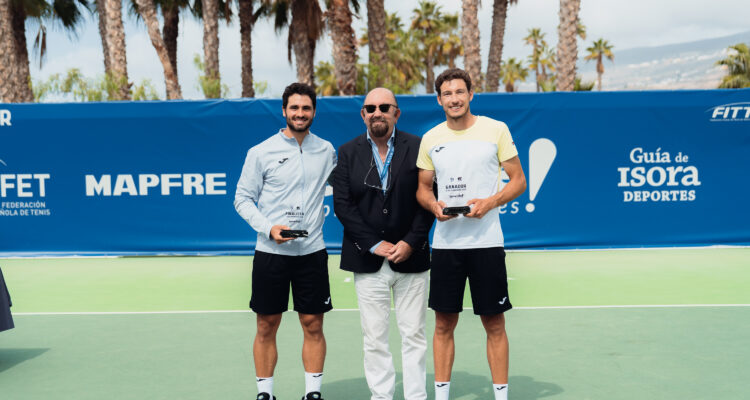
370, 108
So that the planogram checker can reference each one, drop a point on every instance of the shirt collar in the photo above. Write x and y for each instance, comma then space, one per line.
293, 139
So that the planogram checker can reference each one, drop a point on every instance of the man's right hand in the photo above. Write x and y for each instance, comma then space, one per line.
276, 234
384, 249
437, 209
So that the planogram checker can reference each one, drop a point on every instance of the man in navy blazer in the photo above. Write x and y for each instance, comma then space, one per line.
6, 319
385, 243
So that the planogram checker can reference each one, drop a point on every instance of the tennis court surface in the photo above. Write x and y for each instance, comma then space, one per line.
618, 324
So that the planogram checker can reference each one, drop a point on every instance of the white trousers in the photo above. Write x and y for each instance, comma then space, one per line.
410, 302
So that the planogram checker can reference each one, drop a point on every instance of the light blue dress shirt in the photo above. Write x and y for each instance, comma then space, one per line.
380, 165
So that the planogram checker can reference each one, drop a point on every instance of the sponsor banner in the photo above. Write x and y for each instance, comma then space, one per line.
616, 169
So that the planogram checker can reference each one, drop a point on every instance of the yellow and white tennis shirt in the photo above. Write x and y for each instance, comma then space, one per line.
467, 166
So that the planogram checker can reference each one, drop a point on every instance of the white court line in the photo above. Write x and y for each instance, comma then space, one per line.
706, 247
355, 309
630, 306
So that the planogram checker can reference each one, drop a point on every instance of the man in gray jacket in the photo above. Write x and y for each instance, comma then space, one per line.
280, 194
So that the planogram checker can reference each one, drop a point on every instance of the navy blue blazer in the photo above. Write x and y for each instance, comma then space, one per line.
369, 216
6, 319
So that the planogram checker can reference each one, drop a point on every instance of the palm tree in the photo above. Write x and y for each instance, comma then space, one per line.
210, 14
248, 17
513, 71
535, 38
66, 12
376, 28
600, 49
405, 60
8, 63
429, 25
344, 46
547, 62
305, 29
101, 8
450, 46
738, 68
210, 11
499, 15
567, 46
21, 87
470, 40
170, 11
116, 49
147, 10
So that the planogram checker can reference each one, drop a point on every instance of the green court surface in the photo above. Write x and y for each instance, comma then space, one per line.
646, 324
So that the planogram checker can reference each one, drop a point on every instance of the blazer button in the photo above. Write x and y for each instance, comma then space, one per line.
385, 211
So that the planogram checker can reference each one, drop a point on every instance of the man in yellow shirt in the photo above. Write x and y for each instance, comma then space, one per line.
463, 157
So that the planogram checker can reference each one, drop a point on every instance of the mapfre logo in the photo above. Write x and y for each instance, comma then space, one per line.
5, 118
730, 112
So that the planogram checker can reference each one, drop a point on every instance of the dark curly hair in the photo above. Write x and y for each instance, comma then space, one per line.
451, 74
298, 88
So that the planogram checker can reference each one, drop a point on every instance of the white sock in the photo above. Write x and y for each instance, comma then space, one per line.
265, 385
441, 390
501, 391
313, 381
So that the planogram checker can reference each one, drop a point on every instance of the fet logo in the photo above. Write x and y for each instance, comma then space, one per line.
730, 112
5, 118
22, 185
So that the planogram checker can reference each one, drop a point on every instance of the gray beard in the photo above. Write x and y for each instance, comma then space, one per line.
380, 132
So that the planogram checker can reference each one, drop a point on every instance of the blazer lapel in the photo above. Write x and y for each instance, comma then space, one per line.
364, 153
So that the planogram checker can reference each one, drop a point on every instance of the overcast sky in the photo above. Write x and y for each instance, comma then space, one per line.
625, 24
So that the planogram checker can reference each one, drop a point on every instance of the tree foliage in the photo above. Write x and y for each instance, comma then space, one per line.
737, 65
211, 87
511, 71
74, 86
599, 50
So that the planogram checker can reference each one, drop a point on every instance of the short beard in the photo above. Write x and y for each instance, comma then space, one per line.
290, 126
379, 132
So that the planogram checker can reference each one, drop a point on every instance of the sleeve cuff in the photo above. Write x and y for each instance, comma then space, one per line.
372, 249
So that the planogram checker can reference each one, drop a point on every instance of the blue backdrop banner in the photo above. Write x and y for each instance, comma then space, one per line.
616, 169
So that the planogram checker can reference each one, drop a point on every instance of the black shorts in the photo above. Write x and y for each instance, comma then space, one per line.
308, 276
488, 280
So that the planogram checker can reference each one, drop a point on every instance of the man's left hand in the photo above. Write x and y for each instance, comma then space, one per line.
400, 252
480, 207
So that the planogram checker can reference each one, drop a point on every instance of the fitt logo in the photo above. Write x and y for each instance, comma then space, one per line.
730, 112
5, 118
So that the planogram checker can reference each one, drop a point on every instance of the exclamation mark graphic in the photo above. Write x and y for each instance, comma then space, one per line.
542, 154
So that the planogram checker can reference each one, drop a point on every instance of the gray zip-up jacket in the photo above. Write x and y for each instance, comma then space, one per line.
283, 183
